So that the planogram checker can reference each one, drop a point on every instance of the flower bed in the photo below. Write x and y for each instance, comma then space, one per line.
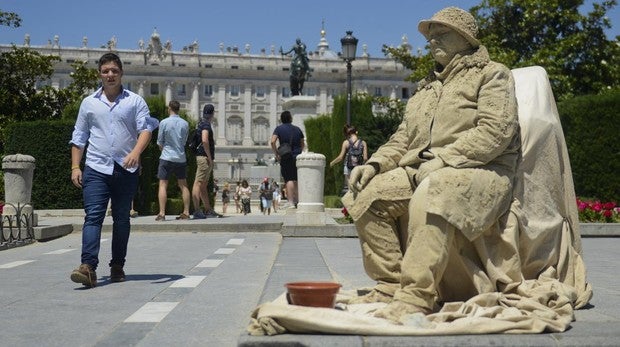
594, 211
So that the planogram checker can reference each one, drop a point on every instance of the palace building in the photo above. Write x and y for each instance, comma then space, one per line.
249, 90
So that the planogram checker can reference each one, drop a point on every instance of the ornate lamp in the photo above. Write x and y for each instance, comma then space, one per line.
349, 48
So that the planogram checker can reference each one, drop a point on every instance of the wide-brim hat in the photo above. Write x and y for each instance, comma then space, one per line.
455, 18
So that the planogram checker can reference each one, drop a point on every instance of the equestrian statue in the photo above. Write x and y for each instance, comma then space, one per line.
300, 69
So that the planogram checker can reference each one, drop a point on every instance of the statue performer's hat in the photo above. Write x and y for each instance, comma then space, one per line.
455, 18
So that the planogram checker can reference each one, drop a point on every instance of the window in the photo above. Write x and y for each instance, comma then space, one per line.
234, 130
128, 86
260, 68
260, 91
286, 92
405, 93
378, 91
154, 88
181, 91
310, 91
234, 67
234, 90
208, 90
260, 131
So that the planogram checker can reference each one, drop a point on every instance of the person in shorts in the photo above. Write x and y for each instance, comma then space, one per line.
204, 165
171, 139
291, 134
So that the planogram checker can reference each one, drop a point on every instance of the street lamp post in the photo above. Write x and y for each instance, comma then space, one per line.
349, 46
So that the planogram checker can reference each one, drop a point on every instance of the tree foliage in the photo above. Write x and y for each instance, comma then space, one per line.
554, 34
10, 19
24, 92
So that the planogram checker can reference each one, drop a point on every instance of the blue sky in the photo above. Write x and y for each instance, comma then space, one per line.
234, 22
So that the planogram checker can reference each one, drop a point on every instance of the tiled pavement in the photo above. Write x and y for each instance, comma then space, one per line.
196, 283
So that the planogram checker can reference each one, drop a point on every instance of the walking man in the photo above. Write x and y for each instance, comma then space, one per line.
205, 154
171, 140
288, 134
115, 124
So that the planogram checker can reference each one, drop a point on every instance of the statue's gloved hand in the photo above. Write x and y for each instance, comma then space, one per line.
360, 176
427, 167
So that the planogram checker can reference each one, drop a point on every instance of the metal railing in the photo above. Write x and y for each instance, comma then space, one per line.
16, 227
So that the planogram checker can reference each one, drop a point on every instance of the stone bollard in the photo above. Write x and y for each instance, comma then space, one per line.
18, 170
310, 180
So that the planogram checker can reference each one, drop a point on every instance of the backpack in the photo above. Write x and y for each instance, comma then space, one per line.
194, 140
355, 155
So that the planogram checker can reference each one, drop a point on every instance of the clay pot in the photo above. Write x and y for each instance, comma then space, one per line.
312, 294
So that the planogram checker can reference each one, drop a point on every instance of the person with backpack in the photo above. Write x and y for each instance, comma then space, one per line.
266, 195
204, 145
354, 152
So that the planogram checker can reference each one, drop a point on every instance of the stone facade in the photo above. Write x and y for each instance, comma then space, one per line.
249, 90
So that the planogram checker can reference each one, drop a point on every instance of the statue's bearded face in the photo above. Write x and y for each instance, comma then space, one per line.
445, 43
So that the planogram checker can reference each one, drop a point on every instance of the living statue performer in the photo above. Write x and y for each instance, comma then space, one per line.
466, 216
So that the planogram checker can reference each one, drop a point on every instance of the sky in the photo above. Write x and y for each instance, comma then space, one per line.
261, 24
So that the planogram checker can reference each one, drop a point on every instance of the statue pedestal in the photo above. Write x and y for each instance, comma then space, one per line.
301, 107
310, 172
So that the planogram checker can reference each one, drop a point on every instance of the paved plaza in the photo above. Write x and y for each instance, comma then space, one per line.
195, 283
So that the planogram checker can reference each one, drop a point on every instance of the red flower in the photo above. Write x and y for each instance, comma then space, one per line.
607, 213
609, 205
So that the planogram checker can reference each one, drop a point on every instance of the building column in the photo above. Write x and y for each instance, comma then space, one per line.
141, 88
323, 100
393, 93
273, 108
221, 115
194, 103
247, 115
168, 94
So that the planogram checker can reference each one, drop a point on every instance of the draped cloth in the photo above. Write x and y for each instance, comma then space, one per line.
536, 245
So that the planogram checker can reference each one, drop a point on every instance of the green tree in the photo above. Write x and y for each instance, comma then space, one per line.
10, 19
571, 46
24, 96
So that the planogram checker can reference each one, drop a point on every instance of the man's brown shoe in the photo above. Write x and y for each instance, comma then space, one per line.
85, 275
116, 273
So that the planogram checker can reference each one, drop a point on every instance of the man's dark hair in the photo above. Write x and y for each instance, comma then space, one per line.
110, 57
174, 105
286, 117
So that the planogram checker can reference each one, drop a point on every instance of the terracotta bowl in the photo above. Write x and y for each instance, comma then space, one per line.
312, 294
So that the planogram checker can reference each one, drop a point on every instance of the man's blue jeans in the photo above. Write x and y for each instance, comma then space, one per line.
97, 190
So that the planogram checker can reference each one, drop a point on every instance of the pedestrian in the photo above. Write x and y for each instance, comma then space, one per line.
276, 196
171, 139
288, 135
205, 155
245, 194
266, 195
111, 115
225, 197
354, 152
216, 190
237, 197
